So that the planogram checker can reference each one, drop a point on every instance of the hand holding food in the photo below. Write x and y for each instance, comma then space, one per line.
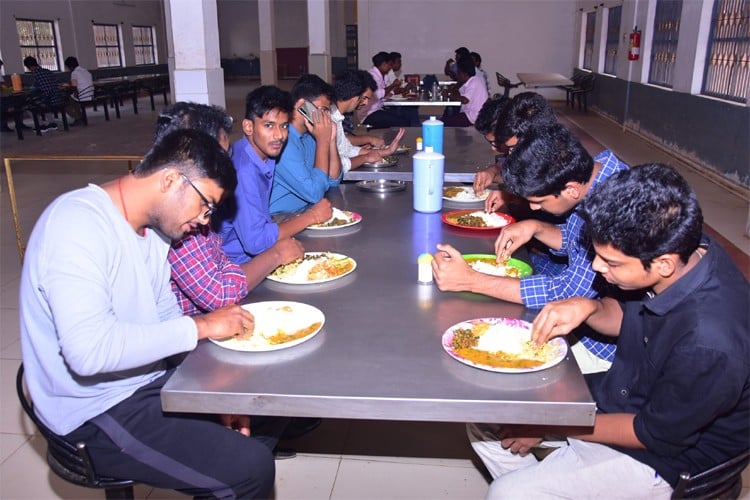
560, 318
287, 250
513, 237
484, 178
228, 321
494, 201
452, 273
321, 211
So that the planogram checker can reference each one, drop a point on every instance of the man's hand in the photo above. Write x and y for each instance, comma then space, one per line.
452, 273
239, 423
228, 321
321, 211
322, 128
512, 237
484, 178
494, 201
561, 317
510, 440
393, 145
287, 250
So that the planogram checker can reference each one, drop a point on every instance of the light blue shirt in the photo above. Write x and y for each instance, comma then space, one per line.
297, 184
98, 315
246, 227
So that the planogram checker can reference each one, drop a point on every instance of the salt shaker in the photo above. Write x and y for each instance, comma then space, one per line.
424, 269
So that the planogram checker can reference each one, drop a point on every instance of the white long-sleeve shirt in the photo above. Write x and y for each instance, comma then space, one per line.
98, 315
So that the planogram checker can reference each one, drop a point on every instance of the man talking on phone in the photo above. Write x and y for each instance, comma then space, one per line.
309, 164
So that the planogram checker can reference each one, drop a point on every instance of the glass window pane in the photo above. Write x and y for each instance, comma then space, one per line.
664, 44
588, 47
613, 39
727, 70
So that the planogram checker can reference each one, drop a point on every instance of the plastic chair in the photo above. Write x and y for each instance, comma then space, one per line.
506, 84
722, 481
72, 462
156, 85
581, 91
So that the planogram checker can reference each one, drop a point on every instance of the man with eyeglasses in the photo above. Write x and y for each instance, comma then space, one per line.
99, 320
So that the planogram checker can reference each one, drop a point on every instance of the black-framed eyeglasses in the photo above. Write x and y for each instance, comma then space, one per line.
492, 142
211, 206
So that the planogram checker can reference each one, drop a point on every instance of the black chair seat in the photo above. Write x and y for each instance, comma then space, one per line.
39, 106
723, 481
506, 83
156, 85
72, 462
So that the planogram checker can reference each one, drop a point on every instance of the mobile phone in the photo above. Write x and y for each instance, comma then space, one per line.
308, 110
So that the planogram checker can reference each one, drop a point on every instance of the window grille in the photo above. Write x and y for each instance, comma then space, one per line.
37, 39
664, 43
588, 46
107, 43
613, 39
143, 45
727, 70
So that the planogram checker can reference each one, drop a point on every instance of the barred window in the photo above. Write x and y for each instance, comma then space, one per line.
588, 45
37, 39
107, 42
664, 44
143, 44
727, 70
613, 39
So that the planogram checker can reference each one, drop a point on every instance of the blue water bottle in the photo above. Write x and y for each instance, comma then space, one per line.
432, 134
428, 168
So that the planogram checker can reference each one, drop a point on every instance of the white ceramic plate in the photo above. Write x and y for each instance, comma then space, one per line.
509, 334
298, 273
463, 194
278, 325
350, 219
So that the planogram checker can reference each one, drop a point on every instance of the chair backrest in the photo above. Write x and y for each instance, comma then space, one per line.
70, 462
428, 80
501, 80
721, 481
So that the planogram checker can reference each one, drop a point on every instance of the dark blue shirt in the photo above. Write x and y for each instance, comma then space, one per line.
682, 367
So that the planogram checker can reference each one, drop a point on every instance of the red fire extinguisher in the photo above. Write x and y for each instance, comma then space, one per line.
634, 48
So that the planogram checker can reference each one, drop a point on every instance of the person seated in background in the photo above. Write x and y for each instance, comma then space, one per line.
410, 113
526, 111
477, 59
554, 173
98, 321
352, 92
203, 276
245, 221
677, 398
374, 114
47, 87
451, 64
394, 73
309, 164
82, 85
471, 92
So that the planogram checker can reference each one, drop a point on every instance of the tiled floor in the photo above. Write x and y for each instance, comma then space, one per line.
342, 459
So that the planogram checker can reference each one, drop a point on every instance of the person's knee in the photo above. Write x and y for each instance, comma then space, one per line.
258, 472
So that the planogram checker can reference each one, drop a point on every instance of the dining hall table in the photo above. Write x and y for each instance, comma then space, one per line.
539, 80
379, 354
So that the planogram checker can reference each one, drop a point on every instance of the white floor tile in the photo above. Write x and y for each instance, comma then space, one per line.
365, 479
9, 443
12, 418
10, 331
11, 351
305, 477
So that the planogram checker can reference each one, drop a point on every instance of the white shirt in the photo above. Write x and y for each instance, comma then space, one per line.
476, 92
346, 149
84, 83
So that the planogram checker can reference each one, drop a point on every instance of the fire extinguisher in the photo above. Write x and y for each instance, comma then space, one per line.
634, 48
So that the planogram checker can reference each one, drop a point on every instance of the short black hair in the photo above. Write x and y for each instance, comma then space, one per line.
311, 87
369, 81
462, 52
476, 58
380, 58
488, 114
544, 161
266, 98
348, 84
71, 62
526, 111
184, 115
30, 62
466, 65
194, 153
394, 55
644, 212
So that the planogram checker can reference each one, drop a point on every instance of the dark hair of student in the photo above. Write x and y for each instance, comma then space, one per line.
544, 161
369, 81
71, 62
466, 65
348, 84
30, 62
487, 117
195, 154
462, 52
394, 55
380, 58
183, 115
311, 87
476, 58
267, 98
526, 111
645, 212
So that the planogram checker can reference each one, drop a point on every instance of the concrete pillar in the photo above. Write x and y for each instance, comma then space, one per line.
198, 76
319, 59
267, 35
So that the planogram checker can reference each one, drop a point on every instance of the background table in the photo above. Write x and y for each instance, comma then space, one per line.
536, 80
379, 354
464, 148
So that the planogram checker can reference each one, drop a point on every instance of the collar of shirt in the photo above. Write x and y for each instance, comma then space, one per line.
243, 147
676, 294
336, 115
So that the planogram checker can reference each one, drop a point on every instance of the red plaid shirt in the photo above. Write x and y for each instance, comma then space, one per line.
203, 277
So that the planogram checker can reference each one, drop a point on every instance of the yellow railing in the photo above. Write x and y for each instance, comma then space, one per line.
12, 189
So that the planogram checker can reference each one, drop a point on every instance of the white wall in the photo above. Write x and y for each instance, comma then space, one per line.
238, 28
76, 36
512, 36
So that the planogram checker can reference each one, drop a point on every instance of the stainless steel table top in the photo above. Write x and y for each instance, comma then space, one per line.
418, 102
464, 148
537, 80
379, 354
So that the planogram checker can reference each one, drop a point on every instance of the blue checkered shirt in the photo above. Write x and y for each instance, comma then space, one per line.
554, 282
